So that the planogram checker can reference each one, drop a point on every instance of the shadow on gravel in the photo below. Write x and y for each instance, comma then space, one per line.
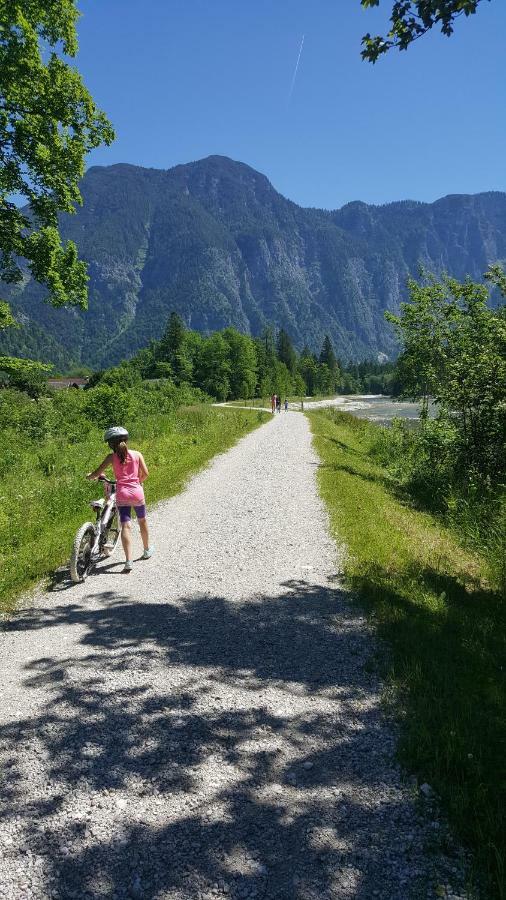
241, 823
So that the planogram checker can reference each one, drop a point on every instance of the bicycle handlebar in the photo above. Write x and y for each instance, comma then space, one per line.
103, 478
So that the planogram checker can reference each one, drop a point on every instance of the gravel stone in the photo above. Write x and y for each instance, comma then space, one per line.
152, 726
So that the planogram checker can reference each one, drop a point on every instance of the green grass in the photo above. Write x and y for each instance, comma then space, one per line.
440, 612
44, 495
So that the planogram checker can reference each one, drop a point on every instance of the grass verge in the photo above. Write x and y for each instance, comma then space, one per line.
44, 499
436, 605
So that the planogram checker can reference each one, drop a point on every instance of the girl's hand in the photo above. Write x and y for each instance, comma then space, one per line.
91, 476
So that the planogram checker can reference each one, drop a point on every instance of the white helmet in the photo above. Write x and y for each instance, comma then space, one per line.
116, 434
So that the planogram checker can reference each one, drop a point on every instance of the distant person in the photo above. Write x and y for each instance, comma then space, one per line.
130, 472
302, 404
286, 405
278, 404
273, 404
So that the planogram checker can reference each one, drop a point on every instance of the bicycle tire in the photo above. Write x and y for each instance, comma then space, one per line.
80, 564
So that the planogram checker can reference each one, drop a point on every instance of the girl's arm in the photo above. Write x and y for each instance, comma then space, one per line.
143, 469
101, 469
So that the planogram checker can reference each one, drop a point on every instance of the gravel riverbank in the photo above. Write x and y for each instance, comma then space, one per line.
210, 726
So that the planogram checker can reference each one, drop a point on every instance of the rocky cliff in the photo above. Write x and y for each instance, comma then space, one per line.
216, 242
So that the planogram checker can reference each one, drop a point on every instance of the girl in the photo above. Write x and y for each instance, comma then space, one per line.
130, 471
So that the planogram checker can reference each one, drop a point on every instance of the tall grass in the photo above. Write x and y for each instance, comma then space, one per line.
431, 470
44, 494
438, 606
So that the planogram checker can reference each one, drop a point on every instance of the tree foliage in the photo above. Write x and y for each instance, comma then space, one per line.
173, 351
286, 352
455, 353
213, 367
243, 363
48, 123
327, 355
410, 19
24, 375
7, 320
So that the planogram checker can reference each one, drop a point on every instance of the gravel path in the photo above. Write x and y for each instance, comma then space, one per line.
210, 726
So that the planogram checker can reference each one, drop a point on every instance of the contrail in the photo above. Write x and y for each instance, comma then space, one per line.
296, 69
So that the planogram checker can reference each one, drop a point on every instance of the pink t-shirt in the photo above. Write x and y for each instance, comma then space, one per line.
129, 491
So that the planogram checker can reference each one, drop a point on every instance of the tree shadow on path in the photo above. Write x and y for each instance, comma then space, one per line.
204, 748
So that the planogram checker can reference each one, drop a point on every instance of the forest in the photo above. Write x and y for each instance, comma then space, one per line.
230, 365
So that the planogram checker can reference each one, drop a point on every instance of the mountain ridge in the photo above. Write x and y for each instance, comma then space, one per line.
214, 240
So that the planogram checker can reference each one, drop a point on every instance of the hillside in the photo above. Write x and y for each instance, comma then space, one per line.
216, 242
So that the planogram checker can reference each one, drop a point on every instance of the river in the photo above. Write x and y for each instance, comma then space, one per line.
375, 407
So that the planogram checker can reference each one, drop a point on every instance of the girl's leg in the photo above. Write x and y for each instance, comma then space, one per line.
126, 539
143, 526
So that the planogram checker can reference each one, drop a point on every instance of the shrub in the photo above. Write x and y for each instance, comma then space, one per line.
12, 405
107, 405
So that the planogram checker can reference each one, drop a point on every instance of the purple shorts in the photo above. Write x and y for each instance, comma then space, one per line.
125, 513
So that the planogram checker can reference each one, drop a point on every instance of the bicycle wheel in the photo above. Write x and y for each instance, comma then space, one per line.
111, 535
80, 560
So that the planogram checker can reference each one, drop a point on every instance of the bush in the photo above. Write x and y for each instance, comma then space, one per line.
164, 396
12, 405
107, 405
73, 423
431, 469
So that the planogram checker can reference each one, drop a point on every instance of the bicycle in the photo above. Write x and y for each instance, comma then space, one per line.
94, 540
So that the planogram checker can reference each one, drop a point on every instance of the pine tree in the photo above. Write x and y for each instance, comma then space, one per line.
327, 355
286, 352
172, 349
265, 348
329, 375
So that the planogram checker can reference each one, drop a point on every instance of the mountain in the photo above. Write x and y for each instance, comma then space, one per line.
215, 241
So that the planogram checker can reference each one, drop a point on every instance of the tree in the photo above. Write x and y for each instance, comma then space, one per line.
326, 381
410, 19
328, 359
285, 351
243, 364
308, 368
25, 375
144, 361
327, 354
48, 123
455, 351
6, 318
213, 367
265, 349
496, 275
283, 381
172, 349
423, 329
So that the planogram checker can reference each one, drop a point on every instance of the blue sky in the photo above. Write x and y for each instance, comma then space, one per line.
183, 79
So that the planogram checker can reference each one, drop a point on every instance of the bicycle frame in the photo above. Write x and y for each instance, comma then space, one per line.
104, 512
